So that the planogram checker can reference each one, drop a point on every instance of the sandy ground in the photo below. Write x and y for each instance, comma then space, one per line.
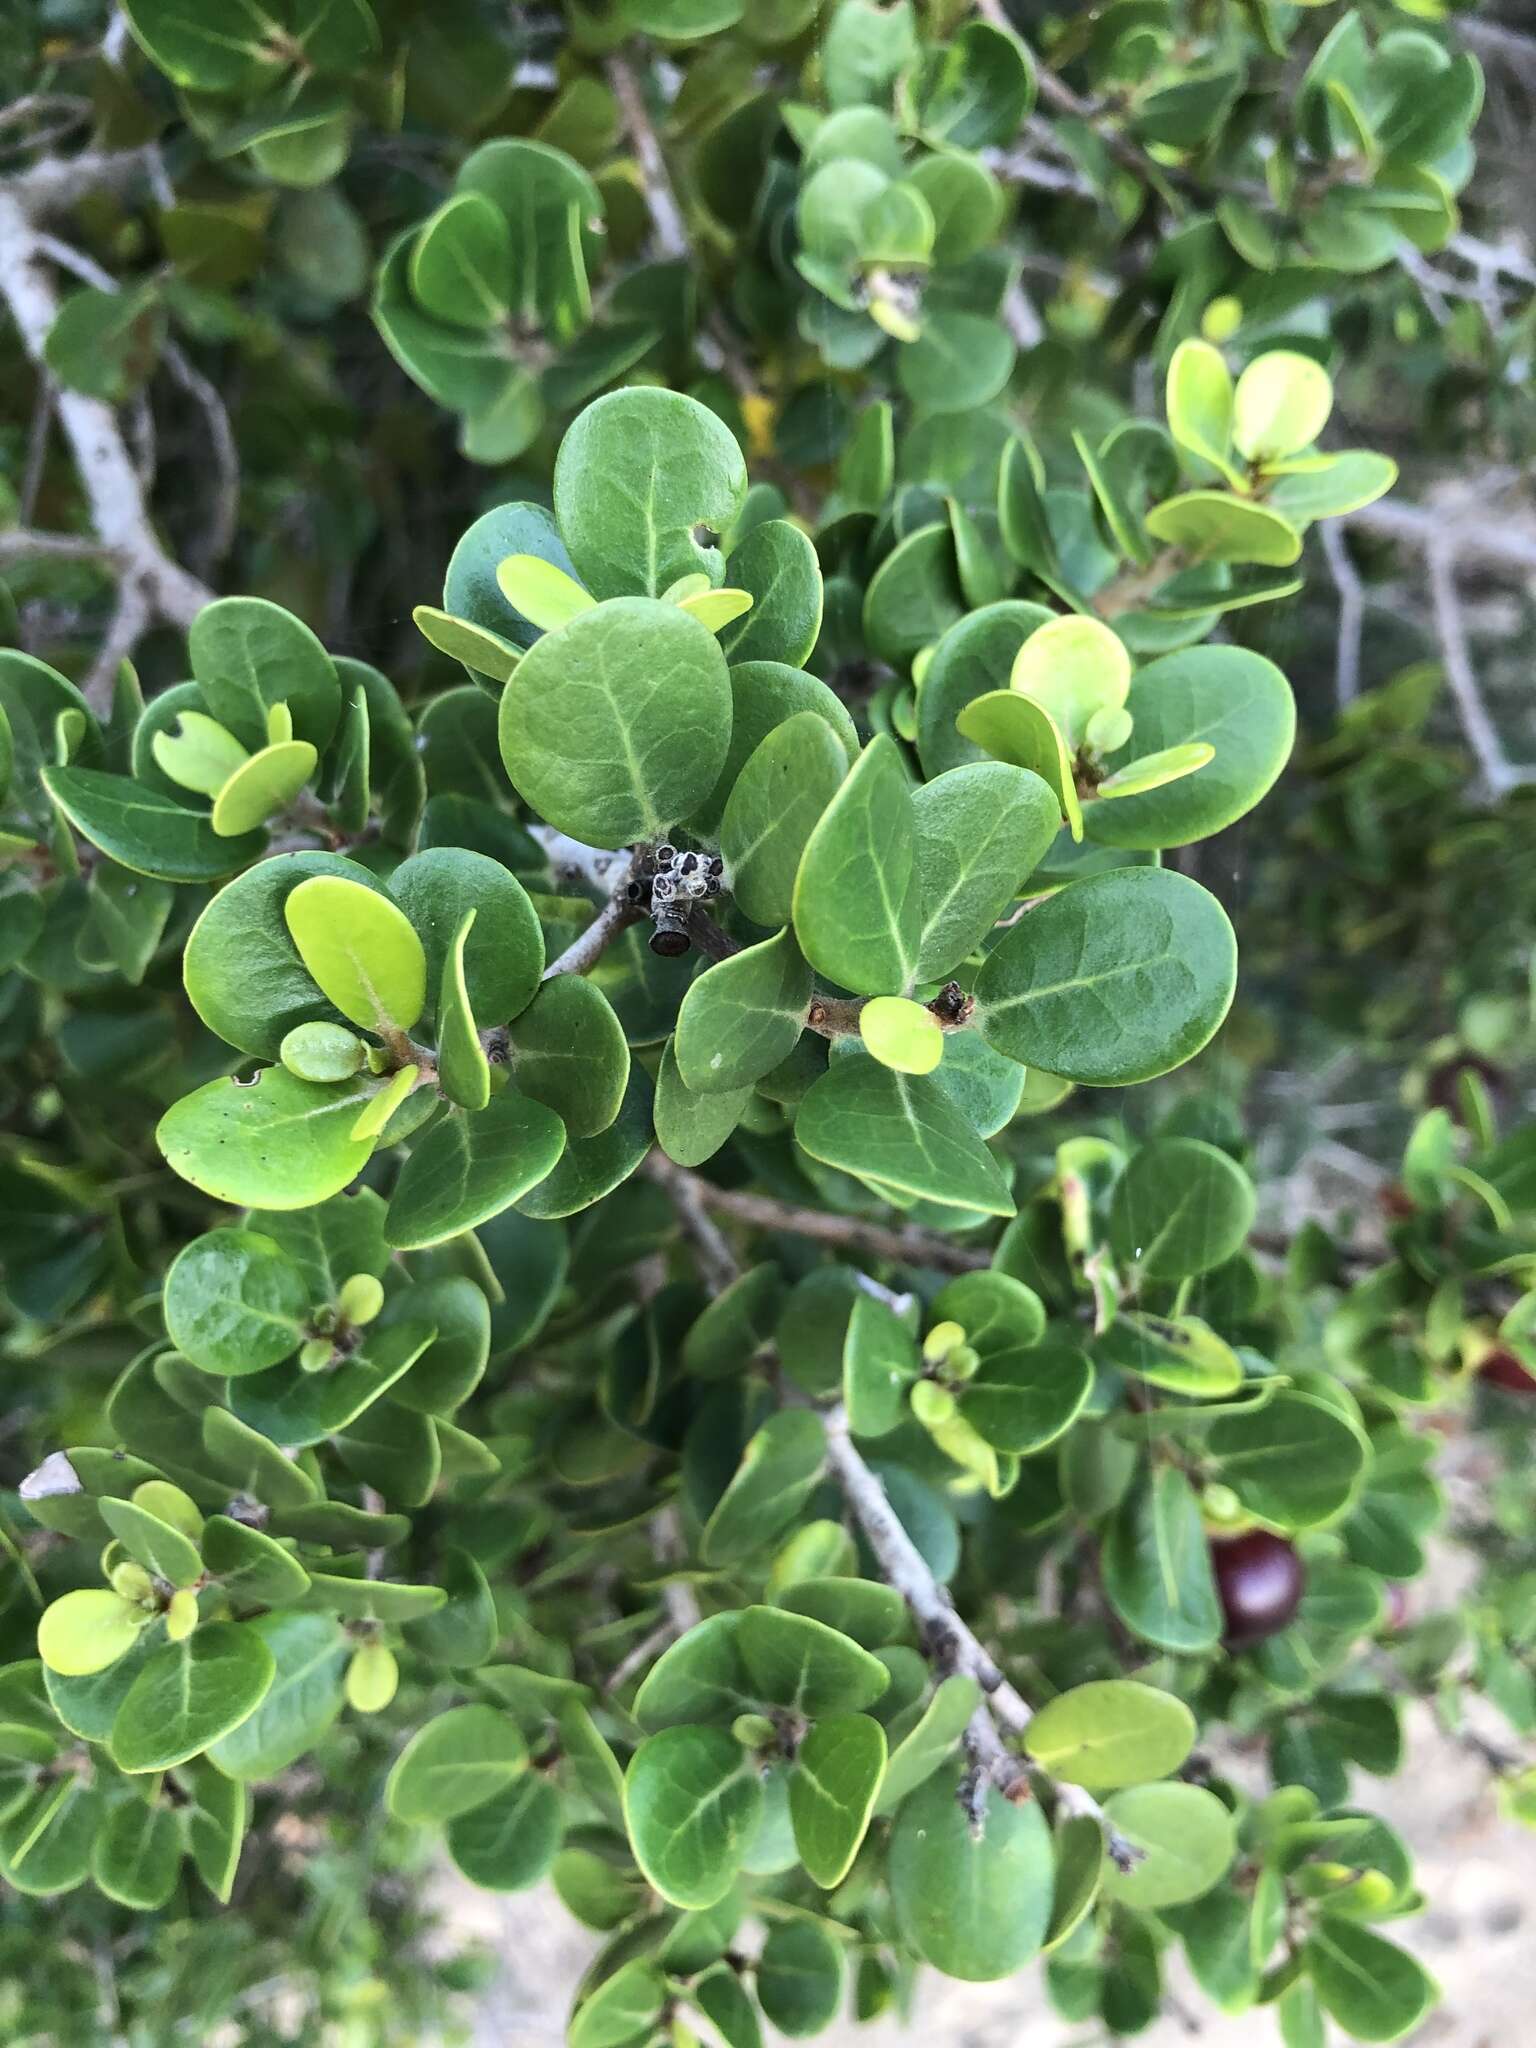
1478, 1937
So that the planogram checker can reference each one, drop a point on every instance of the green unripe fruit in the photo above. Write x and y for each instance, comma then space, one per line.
181, 1615
753, 1731
372, 1676
322, 1052
932, 1404
132, 1581
1222, 318
360, 1299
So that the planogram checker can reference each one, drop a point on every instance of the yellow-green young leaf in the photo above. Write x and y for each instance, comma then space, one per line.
375, 1114
261, 786
1281, 405
463, 1071
1154, 771
200, 754
455, 1762
480, 649
361, 951
181, 1615
1211, 526
1200, 405
541, 591
717, 608
372, 1676
86, 1631
1014, 728
360, 1300
1110, 1733
279, 724
693, 1798
1075, 667
902, 1034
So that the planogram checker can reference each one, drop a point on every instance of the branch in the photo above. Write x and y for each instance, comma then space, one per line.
1346, 581
119, 514
584, 951
717, 1261
666, 214
950, 1641
907, 1244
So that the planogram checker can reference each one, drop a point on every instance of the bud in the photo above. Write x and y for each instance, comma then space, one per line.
932, 1404
132, 1581
181, 1615
360, 1299
315, 1354
322, 1052
1219, 1504
753, 1731
372, 1677
963, 1363
940, 1341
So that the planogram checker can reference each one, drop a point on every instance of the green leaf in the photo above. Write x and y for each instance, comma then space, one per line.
1025, 1396
1281, 405
215, 1826
742, 1016
137, 1854
360, 951
1210, 526
274, 1142
251, 1567
143, 830
453, 1763
1180, 1353
504, 954
776, 563
212, 48
931, 1739
1375, 1990
1328, 486
960, 361
1226, 697
309, 1655
858, 893
1188, 1839
469, 1168
779, 796
242, 969
1014, 729
590, 1168
509, 1843
161, 1549
798, 1663
1080, 1853
1118, 978
461, 263
1110, 1733
700, 1677
568, 1050
982, 830
899, 1131
638, 474
690, 1126
832, 1788
692, 1802
189, 1694
1180, 1208
780, 1465
622, 2009
463, 1072
975, 1907
449, 1371
616, 727
234, 1302
1157, 1568
800, 1977
294, 1407
249, 655
880, 1363
1298, 1461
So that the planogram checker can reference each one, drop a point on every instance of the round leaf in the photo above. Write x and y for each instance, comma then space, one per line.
692, 1802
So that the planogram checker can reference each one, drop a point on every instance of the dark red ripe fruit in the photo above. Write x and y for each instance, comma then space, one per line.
1503, 1369
1260, 1581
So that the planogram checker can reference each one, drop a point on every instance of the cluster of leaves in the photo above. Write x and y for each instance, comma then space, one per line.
431, 1475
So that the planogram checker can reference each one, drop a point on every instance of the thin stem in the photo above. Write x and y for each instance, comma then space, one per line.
584, 951
666, 214
907, 1243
